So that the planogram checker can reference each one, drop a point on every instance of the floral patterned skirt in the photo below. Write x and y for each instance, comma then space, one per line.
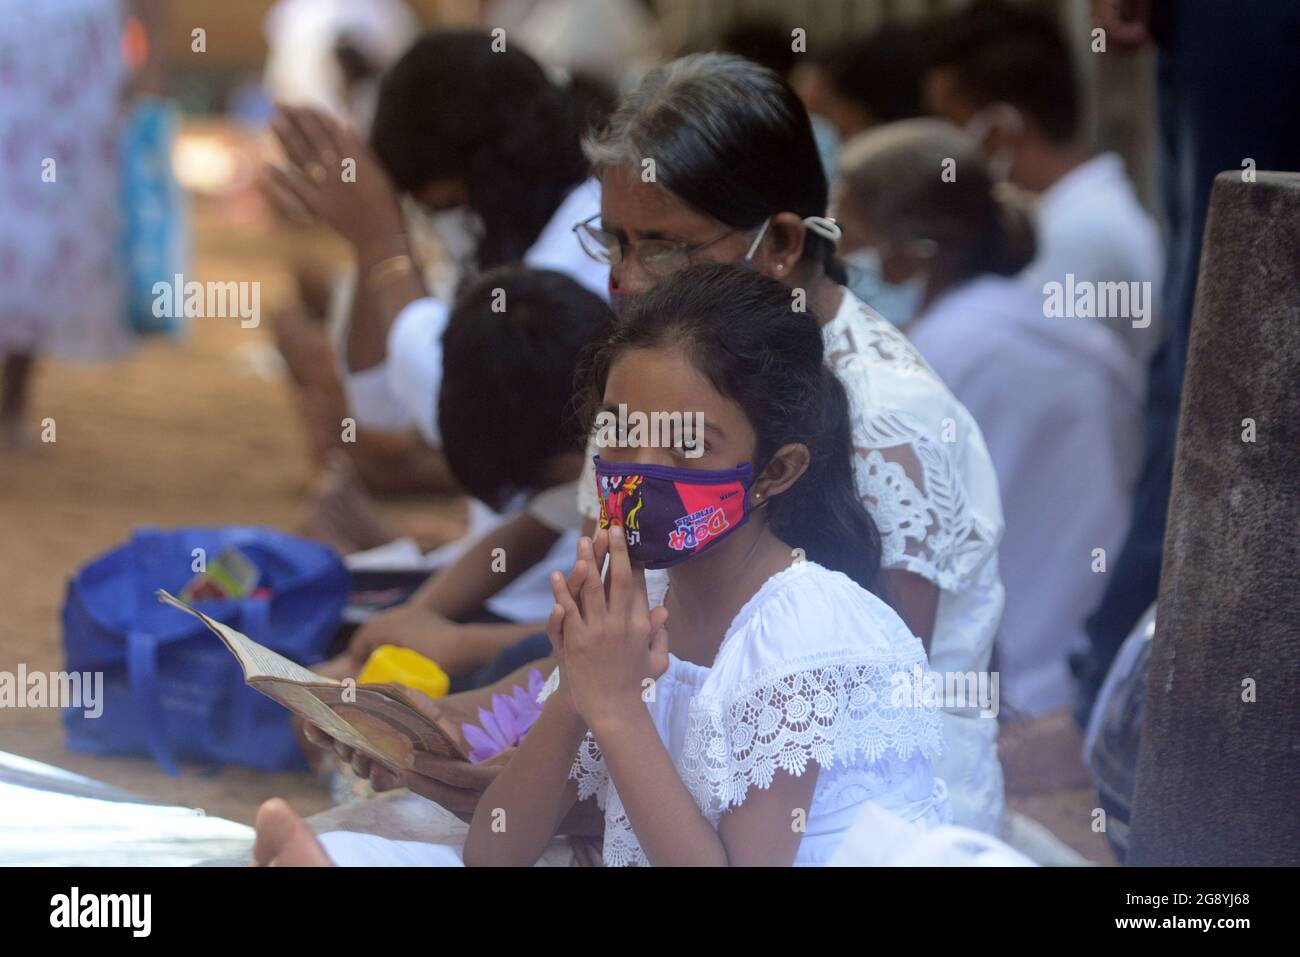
60, 273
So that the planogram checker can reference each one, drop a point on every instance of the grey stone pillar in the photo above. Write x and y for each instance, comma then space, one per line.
1218, 775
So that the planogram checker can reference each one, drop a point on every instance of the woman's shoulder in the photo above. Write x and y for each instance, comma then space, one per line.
808, 616
895, 393
858, 339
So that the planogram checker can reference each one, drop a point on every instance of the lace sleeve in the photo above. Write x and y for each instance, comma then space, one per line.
838, 710
909, 483
922, 468
589, 771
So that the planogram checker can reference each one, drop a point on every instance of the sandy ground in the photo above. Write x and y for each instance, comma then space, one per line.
183, 433
193, 433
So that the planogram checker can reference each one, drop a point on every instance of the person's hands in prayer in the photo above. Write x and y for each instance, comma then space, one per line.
609, 642
334, 177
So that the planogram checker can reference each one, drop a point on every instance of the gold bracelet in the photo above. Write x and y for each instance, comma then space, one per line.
386, 269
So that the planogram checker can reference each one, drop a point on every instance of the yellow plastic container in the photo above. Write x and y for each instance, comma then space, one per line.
405, 667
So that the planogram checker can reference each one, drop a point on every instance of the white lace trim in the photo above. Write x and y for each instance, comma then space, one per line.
551, 686
833, 710
589, 771
837, 710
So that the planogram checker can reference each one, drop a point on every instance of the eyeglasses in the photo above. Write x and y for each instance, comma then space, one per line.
658, 257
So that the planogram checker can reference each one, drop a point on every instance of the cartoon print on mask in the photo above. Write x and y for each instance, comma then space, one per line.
620, 501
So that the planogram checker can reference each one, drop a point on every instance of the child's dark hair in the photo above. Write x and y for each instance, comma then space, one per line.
741, 332
1006, 53
882, 73
452, 107
510, 351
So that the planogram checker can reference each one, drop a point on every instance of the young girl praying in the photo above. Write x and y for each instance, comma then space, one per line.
746, 714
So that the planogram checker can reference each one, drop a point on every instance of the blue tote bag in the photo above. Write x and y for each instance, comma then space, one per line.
171, 689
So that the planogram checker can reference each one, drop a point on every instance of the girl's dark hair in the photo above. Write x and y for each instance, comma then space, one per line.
510, 352
452, 107
728, 137
741, 332
891, 176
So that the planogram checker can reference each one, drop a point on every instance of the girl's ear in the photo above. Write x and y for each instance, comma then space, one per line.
783, 245
784, 469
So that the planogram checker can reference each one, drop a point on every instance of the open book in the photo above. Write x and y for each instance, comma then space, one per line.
379, 720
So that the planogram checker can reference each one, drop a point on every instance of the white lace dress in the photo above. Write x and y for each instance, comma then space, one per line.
807, 673
928, 481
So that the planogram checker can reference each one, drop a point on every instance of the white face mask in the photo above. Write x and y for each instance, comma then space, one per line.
458, 230
996, 115
900, 303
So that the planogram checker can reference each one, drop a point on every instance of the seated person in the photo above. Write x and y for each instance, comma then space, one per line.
510, 353
1006, 75
502, 183
1057, 400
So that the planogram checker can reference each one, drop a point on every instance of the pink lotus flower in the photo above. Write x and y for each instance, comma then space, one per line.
507, 723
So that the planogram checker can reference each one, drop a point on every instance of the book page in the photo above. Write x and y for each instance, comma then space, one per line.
378, 720
257, 660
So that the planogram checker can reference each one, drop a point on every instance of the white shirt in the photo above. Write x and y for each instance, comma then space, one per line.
1090, 225
301, 35
403, 390
1059, 402
805, 674
928, 481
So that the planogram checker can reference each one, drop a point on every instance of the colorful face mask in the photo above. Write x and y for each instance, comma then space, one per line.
671, 514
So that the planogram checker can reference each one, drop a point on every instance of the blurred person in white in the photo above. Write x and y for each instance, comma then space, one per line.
1006, 75
608, 40
1058, 400
502, 183
62, 79
330, 53
505, 417
868, 82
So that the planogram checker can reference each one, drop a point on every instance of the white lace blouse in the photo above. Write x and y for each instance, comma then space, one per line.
808, 672
927, 479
